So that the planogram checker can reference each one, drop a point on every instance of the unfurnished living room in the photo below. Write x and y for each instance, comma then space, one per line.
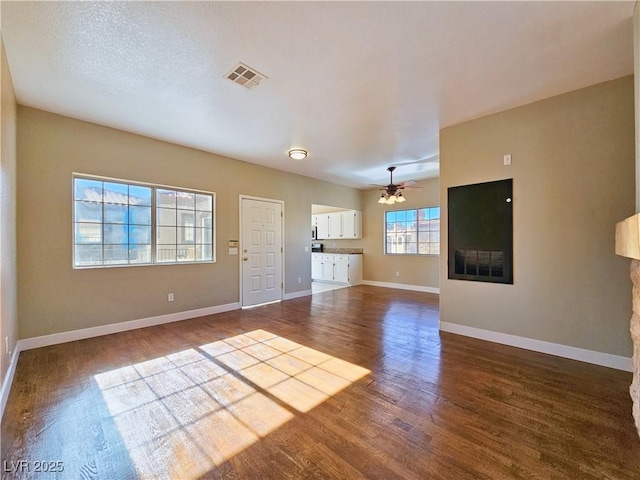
295, 240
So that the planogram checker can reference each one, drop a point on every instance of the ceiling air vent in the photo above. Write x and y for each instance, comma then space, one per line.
245, 76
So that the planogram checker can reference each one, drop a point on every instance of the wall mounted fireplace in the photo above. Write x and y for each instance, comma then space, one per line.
480, 218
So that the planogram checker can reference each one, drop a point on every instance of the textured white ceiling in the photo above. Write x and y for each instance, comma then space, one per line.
360, 85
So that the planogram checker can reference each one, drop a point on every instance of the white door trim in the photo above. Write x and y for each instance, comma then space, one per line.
241, 247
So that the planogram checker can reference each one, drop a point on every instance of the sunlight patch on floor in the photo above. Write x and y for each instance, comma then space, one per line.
297, 375
203, 406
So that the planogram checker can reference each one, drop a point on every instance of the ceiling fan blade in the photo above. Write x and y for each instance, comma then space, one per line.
407, 183
393, 188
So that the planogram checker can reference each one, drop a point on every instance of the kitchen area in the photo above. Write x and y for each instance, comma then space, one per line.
331, 266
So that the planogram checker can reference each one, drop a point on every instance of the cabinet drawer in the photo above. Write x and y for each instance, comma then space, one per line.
328, 258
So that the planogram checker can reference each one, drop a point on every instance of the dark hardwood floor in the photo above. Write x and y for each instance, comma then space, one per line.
351, 383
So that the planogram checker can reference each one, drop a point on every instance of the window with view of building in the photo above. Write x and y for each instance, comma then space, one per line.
120, 223
413, 232
184, 226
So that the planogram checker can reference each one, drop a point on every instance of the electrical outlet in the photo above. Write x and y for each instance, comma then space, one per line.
170, 297
506, 159
398, 273
6, 345
299, 280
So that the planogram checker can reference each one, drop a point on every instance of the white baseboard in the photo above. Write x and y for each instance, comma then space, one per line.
56, 338
291, 296
8, 379
402, 286
564, 351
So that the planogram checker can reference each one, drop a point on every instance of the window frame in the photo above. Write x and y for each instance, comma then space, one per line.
394, 235
153, 223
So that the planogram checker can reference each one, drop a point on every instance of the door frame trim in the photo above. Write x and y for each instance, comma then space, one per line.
240, 237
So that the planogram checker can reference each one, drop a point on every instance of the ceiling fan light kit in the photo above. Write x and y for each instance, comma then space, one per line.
391, 199
298, 154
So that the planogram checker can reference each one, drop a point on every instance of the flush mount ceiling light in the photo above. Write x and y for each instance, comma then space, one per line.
298, 154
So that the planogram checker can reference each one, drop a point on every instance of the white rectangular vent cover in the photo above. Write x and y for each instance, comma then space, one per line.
245, 76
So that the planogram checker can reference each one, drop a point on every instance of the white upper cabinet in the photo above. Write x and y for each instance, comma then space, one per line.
322, 224
351, 224
339, 225
335, 225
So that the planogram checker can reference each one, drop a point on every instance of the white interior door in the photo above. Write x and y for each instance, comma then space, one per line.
261, 246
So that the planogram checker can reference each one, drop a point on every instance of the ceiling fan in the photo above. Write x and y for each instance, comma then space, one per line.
391, 193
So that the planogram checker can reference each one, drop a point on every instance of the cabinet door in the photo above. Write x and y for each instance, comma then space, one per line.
357, 224
327, 267
323, 226
316, 267
355, 269
335, 225
341, 269
352, 224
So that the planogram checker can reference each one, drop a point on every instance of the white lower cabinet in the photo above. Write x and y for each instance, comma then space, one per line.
341, 268
336, 268
316, 266
327, 268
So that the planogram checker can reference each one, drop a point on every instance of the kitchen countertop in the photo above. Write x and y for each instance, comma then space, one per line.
343, 251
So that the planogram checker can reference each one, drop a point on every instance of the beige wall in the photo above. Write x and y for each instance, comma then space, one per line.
414, 269
573, 171
52, 297
8, 288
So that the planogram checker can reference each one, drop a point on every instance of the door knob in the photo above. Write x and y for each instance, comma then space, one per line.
245, 259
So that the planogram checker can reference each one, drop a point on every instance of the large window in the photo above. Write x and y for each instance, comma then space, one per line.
118, 223
413, 232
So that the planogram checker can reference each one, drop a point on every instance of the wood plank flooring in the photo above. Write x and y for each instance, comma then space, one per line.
350, 383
